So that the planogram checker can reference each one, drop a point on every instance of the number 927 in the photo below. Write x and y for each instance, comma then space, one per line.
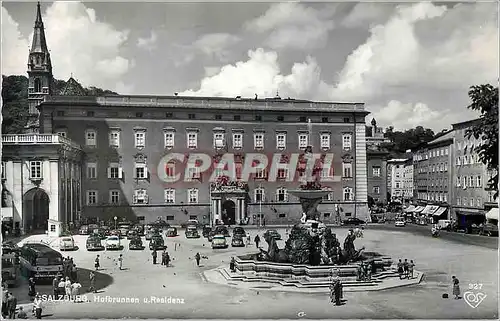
475, 286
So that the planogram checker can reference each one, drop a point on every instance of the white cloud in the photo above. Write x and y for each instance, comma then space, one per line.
79, 45
409, 115
367, 14
294, 25
148, 43
14, 47
216, 45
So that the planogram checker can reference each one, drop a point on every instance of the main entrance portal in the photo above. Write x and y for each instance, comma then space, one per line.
229, 212
36, 210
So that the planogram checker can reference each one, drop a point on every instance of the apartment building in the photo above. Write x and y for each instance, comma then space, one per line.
395, 178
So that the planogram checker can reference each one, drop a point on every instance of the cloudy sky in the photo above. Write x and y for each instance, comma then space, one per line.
411, 63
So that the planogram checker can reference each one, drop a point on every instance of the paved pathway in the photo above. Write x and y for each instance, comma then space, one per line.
191, 296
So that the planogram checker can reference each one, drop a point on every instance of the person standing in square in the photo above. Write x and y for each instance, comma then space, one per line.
120, 261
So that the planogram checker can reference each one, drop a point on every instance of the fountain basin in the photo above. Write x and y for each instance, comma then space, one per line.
309, 194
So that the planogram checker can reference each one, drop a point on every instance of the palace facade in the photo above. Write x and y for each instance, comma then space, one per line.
102, 156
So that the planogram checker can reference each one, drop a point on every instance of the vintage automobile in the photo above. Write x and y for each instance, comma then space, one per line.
273, 233
239, 231
211, 235
192, 232
206, 230
132, 234
84, 230
117, 233
67, 243
238, 241
353, 221
219, 242
135, 243
151, 232
221, 229
160, 224
157, 243
191, 223
139, 229
489, 228
171, 232
400, 223
94, 243
113, 243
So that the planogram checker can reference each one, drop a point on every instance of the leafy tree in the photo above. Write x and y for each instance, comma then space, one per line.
15, 108
485, 100
400, 141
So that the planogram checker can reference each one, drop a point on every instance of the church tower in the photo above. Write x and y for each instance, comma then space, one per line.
40, 80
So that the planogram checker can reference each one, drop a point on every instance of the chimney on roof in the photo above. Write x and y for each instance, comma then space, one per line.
256, 96
238, 97
176, 94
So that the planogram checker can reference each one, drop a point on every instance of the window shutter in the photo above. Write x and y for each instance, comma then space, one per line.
146, 172
120, 173
109, 172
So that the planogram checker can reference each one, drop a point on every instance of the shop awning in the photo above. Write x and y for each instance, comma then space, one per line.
7, 214
492, 214
430, 209
418, 209
440, 211
411, 208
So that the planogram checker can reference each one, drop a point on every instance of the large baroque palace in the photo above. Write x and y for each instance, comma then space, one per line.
99, 157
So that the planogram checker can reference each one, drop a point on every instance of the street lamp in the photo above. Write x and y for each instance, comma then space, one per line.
115, 218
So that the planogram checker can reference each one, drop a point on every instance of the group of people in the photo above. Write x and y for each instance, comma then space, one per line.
364, 271
9, 305
63, 286
69, 269
405, 269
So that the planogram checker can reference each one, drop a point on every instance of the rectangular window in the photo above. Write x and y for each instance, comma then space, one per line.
140, 196
218, 117
219, 140
346, 141
237, 140
114, 171
325, 141
92, 170
282, 173
347, 170
114, 138
191, 116
193, 196
261, 173
170, 217
281, 141
302, 119
478, 202
114, 197
259, 195
303, 141
90, 114
139, 115
36, 169
376, 171
478, 181
346, 120
91, 197
347, 194
324, 119
376, 190
192, 140
281, 195
237, 117
258, 141
170, 195
169, 139
280, 118
194, 172
140, 139
258, 118
169, 115
141, 171
91, 138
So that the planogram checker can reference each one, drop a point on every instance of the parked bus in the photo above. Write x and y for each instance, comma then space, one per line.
10, 265
40, 261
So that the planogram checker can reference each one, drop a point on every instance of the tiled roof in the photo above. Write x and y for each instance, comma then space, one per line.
73, 88
448, 135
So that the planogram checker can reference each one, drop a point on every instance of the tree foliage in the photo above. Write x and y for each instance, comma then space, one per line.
15, 107
409, 139
484, 99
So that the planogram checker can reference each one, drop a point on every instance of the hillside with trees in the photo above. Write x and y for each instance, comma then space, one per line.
15, 101
401, 141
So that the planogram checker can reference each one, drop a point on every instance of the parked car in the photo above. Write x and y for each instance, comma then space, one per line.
139, 229
206, 230
113, 243
239, 231
135, 243
132, 234
117, 233
157, 243
219, 242
151, 232
400, 223
237, 241
221, 229
273, 233
190, 222
353, 221
94, 243
489, 229
192, 232
171, 232
84, 230
211, 235
160, 224
67, 243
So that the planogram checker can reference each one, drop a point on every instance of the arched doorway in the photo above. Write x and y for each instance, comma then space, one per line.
36, 210
229, 212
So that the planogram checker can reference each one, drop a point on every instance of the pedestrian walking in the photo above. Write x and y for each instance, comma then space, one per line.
167, 259
120, 262
21, 314
232, 264
75, 291
55, 284
411, 266
248, 239
31, 288
61, 287
456, 287
97, 263
257, 241
406, 268
5, 297
164, 257
11, 306
154, 254
74, 273
37, 307
92, 282
67, 287
400, 269
198, 258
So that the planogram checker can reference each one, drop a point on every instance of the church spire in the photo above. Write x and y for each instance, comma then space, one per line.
39, 43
